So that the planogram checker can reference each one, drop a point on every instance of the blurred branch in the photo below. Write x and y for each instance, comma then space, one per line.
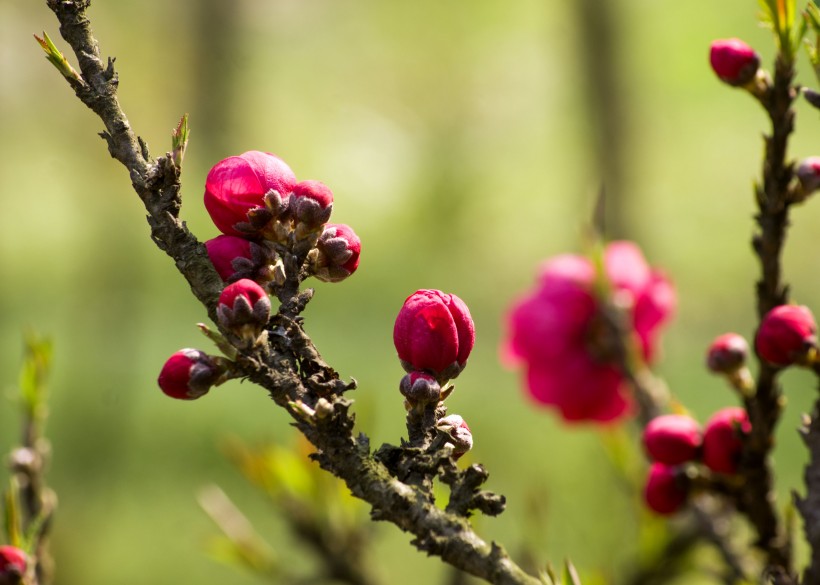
290, 368
28, 461
809, 506
774, 197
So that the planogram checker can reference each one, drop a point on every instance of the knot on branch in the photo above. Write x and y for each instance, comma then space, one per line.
465, 495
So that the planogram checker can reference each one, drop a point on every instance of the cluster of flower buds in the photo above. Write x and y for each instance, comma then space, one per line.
13, 565
738, 65
434, 335
675, 442
271, 224
255, 200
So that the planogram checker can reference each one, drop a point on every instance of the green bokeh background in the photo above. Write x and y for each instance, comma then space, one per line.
462, 143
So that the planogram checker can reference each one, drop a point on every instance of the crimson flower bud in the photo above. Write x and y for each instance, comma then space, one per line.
666, 489
808, 175
239, 184
235, 258
189, 374
13, 565
723, 439
733, 61
458, 433
787, 335
312, 203
338, 251
434, 332
727, 353
672, 439
244, 309
420, 388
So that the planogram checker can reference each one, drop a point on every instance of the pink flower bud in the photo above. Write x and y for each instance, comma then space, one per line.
723, 439
666, 490
808, 174
189, 374
434, 332
734, 62
727, 353
420, 388
672, 439
312, 203
244, 308
338, 253
13, 564
458, 433
787, 335
235, 258
238, 184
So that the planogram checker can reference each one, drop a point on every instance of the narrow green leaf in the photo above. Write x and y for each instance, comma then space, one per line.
179, 141
12, 516
56, 58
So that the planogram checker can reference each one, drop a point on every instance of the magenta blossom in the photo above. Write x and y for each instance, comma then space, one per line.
434, 332
552, 331
238, 184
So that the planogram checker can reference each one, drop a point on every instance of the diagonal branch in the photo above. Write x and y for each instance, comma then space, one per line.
291, 368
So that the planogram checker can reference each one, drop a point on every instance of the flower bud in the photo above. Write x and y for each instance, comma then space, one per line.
434, 332
311, 203
458, 433
672, 439
723, 439
235, 258
733, 61
808, 176
238, 184
666, 489
727, 353
338, 251
787, 335
420, 388
244, 309
189, 374
13, 564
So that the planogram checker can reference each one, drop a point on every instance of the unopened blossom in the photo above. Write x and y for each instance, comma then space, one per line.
311, 203
13, 564
337, 253
665, 491
808, 176
672, 439
235, 258
554, 331
787, 335
458, 433
727, 353
420, 388
189, 374
239, 184
244, 308
723, 439
733, 61
434, 332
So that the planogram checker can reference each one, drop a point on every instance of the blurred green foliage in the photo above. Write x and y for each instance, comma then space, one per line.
459, 143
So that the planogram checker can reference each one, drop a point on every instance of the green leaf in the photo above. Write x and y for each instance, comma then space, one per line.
33, 375
179, 141
12, 516
56, 58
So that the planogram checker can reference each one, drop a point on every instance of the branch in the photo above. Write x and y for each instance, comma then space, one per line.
809, 506
290, 368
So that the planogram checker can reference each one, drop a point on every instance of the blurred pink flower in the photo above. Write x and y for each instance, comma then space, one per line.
553, 331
